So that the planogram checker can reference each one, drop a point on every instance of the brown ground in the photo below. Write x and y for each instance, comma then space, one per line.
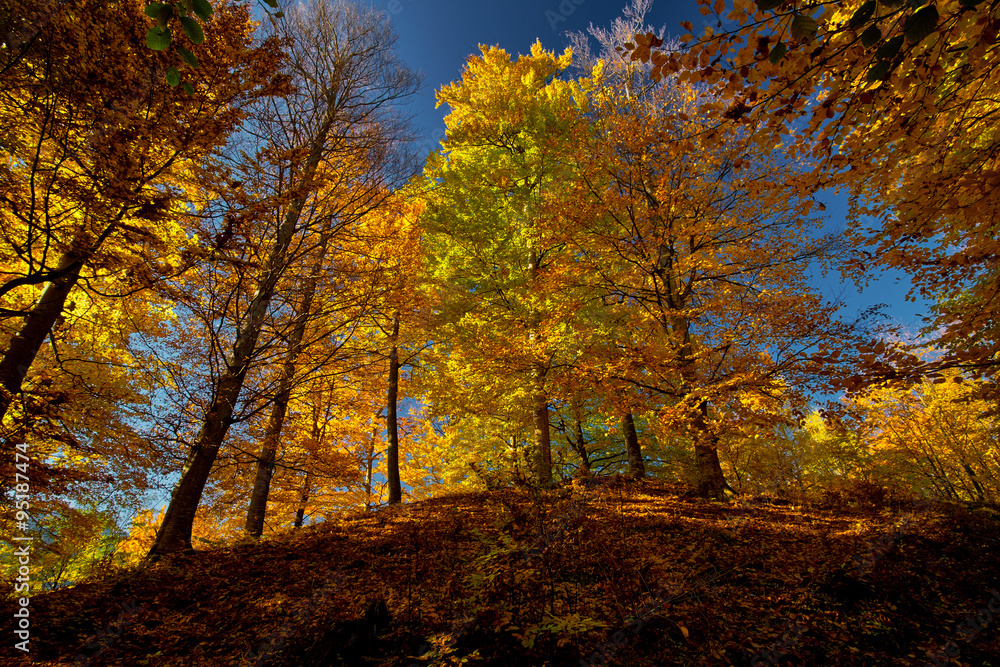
627, 575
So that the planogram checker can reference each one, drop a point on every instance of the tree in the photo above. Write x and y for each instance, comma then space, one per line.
935, 438
492, 254
346, 80
893, 102
96, 158
700, 247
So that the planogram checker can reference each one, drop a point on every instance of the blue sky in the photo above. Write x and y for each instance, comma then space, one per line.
436, 37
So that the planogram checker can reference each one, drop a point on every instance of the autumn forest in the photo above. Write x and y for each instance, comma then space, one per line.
239, 300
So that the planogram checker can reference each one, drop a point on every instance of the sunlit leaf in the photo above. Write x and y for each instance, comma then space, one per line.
192, 29
158, 38
202, 8
804, 26
173, 77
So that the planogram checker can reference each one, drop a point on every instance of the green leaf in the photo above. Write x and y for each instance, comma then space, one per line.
158, 38
187, 88
188, 57
804, 26
279, 14
203, 8
173, 77
152, 10
777, 53
271, 3
890, 48
192, 30
861, 16
871, 37
879, 71
921, 24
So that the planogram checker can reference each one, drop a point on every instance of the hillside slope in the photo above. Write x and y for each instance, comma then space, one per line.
621, 574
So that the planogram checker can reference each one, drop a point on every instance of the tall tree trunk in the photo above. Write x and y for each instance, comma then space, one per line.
303, 499
175, 531
543, 445
276, 420
539, 399
25, 344
370, 456
636, 466
391, 424
580, 444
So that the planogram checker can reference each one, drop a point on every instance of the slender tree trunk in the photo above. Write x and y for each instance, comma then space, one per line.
974, 478
580, 444
539, 399
276, 420
175, 531
303, 499
24, 346
391, 424
543, 445
370, 457
636, 466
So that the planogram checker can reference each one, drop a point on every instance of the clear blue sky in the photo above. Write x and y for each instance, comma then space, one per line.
436, 37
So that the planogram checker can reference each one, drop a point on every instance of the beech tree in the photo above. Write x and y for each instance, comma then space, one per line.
894, 103
491, 249
701, 249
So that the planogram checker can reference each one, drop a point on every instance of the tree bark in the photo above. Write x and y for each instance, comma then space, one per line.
175, 532
391, 423
580, 444
539, 399
303, 499
636, 466
711, 481
543, 445
275, 422
24, 346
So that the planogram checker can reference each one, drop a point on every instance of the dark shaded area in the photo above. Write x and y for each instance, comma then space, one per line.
636, 574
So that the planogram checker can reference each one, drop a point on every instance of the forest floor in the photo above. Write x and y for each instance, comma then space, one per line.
630, 574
